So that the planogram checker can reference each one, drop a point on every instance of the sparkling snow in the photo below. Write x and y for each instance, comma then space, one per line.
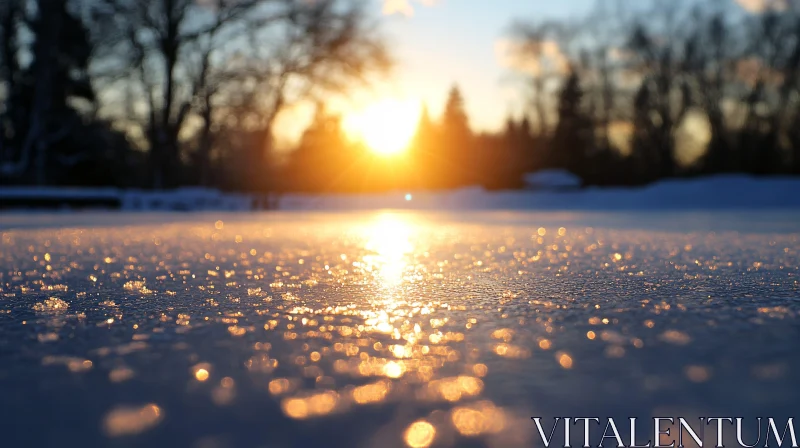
388, 329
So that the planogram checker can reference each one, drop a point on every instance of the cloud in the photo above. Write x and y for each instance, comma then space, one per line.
404, 7
531, 57
758, 6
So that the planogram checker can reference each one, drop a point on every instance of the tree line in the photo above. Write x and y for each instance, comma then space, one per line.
165, 93
643, 91
444, 153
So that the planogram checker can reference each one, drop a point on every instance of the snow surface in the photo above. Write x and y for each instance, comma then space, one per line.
185, 199
720, 192
552, 180
58, 192
710, 193
390, 329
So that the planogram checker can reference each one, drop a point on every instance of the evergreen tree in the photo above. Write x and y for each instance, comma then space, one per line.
499, 165
525, 128
643, 149
458, 160
529, 151
572, 137
423, 150
321, 159
425, 136
511, 133
454, 120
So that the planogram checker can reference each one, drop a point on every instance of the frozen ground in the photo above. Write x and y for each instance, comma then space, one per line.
382, 329
732, 192
548, 190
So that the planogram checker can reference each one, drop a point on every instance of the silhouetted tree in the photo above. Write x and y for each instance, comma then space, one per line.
456, 154
647, 67
153, 39
425, 134
423, 150
572, 138
500, 156
39, 110
706, 52
322, 159
179, 57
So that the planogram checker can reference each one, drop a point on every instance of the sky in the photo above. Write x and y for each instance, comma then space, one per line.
439, 43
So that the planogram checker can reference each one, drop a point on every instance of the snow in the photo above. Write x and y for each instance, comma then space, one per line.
57, 192
183, 199
718, 193
552, 180
714, 193
353, 329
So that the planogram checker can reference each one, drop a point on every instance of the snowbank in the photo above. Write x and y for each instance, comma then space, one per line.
719, 192
186, 199
57, 192
552, 180
712, 193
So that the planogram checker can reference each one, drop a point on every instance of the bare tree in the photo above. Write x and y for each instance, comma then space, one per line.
248, 58
776, 45
45, 125
9, 66
321, 49
154, 39
541, 49
602, 62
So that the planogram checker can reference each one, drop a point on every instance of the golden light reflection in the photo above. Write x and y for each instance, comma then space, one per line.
506, 334
420, 434
675, 337
312, 406
511, 351
481, 418
454, 389
372, 393
74, 364
201, 371
480, 370
394, 369
564, 359
131, 420
698, 374
279, 386
53, 305
120, 374
388, 239
225, 393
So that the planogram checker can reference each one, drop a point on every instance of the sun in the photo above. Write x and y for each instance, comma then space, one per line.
386, 127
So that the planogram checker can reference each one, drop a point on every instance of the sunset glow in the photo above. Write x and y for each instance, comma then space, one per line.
386, 127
